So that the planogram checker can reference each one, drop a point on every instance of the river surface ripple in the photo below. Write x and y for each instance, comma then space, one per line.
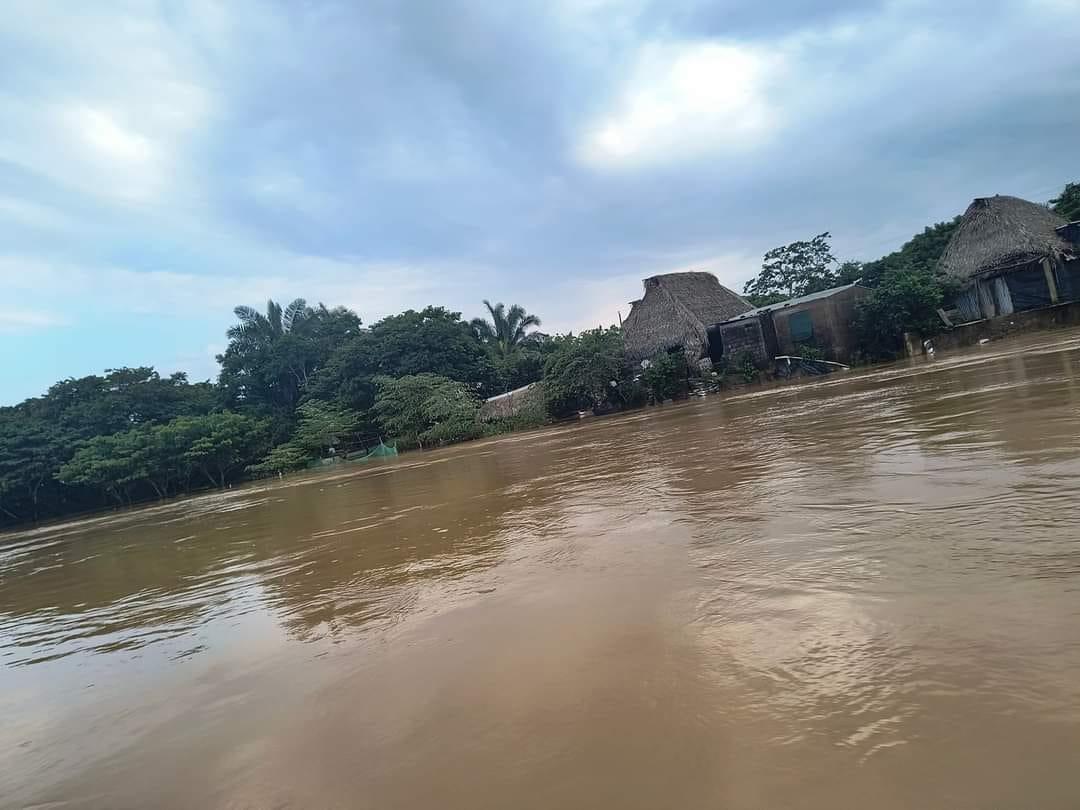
862, 592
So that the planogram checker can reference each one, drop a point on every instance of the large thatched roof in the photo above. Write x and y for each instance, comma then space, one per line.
1000, 231
677, 310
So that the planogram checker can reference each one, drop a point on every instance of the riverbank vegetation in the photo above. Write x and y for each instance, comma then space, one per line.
303, 384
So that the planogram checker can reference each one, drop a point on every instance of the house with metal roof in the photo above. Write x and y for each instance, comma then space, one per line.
820, 323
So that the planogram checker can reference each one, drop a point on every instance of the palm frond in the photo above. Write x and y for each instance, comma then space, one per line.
482, 329
294, 314
273, 316
247, 314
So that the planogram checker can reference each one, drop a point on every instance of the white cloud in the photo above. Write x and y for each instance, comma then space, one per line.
27, 214
686, 99
117, 116
27, 320
102, 133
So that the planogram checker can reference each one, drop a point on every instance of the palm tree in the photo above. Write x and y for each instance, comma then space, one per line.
276, 323
508, 330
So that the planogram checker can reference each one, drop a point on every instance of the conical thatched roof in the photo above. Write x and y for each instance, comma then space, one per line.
677, 310
1001, 231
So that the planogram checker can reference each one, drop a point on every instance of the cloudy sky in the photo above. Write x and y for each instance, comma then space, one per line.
161, 162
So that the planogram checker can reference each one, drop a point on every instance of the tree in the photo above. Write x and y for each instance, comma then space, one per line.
323, 426
850, 271
919, 254
666, 376
792, 270
1067, 203
906, 300
508, 329
276, 323
272, 358
507, 339
122, 398
431, 341
31, 451
426, 409
346, 377
283, 458
220, 445
587, 372
105, 463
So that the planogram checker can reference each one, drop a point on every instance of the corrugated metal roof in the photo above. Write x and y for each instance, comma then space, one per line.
792, 302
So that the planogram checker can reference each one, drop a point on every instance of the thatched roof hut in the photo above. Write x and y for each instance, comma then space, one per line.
676, 312
999, 232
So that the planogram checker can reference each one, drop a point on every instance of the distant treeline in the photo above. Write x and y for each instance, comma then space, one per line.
297, 384
300, 383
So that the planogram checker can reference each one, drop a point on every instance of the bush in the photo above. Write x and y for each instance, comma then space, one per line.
666, 376
586, 372
747, 368
283, 458
907, 300
421, 409
809, 352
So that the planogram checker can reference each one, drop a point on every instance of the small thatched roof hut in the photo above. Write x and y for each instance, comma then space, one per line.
999, 232
676, 312
1010, 255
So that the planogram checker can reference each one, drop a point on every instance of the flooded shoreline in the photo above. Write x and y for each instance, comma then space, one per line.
862, 591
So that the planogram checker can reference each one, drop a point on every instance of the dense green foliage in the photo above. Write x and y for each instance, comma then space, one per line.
666, 376
41, 435
588, 372
905, 300
1067, 203
322, 429
164, 457
920, 254
514, 351
789, 271
297, 384
426, 409
271, 358
908, 290
431, 341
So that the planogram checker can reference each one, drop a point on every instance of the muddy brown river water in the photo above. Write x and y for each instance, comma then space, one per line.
859, 593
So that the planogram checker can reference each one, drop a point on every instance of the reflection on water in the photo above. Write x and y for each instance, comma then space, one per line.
862, 592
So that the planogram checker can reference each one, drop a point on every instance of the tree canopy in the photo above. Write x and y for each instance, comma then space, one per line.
1067, 203
271, 358
426, 409
792, 270
586, 372
514, 350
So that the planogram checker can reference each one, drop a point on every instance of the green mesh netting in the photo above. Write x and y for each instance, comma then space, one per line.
382, 450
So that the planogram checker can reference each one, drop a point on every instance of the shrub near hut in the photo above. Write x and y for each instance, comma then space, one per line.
420, 410
666, 376
588, 372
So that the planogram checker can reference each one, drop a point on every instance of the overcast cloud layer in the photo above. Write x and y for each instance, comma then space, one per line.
163, 162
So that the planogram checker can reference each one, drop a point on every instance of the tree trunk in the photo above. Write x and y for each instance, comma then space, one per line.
34, 498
